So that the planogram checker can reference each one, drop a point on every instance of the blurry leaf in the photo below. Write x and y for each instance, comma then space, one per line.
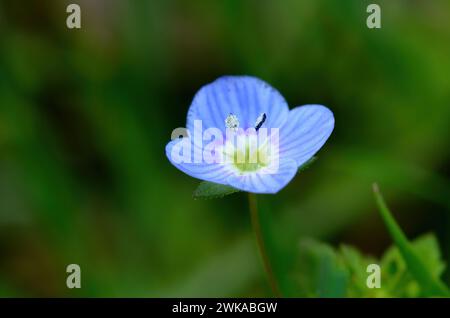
211, 190
356, 264
397, 279
427, 248
322, 273
416, 265
306, 165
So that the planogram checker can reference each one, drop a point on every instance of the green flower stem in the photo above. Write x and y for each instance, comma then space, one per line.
253, 206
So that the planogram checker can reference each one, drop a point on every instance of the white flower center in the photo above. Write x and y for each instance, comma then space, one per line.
248, 151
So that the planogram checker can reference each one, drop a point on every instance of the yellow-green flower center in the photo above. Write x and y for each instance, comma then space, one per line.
250, 158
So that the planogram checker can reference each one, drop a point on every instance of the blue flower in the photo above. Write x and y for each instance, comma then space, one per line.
234, 107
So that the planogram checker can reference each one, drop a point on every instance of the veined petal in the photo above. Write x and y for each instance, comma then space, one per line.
305, 132
213, 172
259, 182
244, 96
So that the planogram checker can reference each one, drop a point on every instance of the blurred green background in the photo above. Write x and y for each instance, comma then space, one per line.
85, 116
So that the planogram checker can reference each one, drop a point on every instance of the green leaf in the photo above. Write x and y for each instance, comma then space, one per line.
306, 165
427, 247
430, 284
211, 190
356, 263
321, 271
397, 280
324, 271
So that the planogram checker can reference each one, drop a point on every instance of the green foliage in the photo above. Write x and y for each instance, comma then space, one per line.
85, 116
399, 280
211, 190
408, 269
324, 271
416, 263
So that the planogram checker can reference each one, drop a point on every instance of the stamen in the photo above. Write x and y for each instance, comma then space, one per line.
232, 122
260, 121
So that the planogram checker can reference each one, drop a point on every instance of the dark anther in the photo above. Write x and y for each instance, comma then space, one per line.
260, 121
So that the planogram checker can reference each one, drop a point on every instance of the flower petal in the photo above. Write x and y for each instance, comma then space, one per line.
213, 172
305, 132
258, 182
244, 96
